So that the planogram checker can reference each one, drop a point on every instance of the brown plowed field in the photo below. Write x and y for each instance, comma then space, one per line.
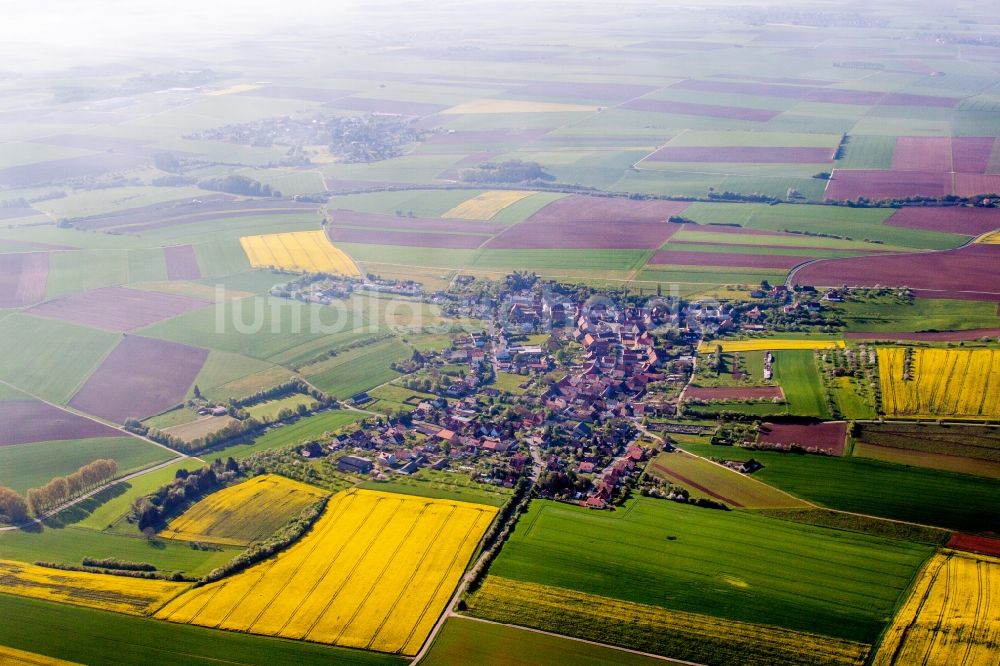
743, 154
24, 421
967, 273
22, 278
922, 153
582, 222
741, 259
117, 308
958, 220
580, 208
734, 393
706, 110
876, 184
182, 263
52, 171
829, 437
971, 154
971, 184
139, 378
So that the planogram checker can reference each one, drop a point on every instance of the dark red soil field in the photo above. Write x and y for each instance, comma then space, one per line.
922, 153
117, 308
958, 220
386, 106
182, 263
929, 336
51, 171
743, 154
971, 154
970, 184
741, 259
705, 110
968, 273
874, 184
347, 218
297, 92
141, 377
828, 437
582, 222
735, 393
24, 421
404, 238
22, 278
974, 544
581, 208
609, 92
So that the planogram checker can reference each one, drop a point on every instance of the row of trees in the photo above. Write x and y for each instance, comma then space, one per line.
63, 488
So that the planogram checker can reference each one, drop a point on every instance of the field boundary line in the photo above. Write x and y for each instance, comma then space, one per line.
650, 655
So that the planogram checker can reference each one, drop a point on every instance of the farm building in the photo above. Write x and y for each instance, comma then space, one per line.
354, 465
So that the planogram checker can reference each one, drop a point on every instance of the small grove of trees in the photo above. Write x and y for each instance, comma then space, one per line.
13, 508
63, 488
150, 511
281, 390
237, 184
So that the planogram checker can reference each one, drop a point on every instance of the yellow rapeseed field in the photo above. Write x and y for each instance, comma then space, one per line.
375, 572
960, 383
990, 238
307, 251
11, 657
952, 616
509, 600
136, 596
769, 344
486, 205
246, 512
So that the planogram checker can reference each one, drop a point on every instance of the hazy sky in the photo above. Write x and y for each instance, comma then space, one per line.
44, 33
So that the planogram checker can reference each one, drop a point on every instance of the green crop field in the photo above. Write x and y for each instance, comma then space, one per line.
53, 358
467, 641
33, 465
868, 152
69, 545
876, 488
259, 327
445, 484
110, 506
357, 370
734, 565
796, 372
90, 636
72, 272
269, 409
302, 430
889, 314
224, 367
703, 478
